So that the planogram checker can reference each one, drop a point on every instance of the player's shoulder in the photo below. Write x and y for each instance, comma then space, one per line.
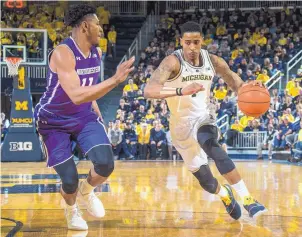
62, 55
171, 61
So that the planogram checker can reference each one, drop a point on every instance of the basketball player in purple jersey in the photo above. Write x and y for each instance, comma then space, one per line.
65, 112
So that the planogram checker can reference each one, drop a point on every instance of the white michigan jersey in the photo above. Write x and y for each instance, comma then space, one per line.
191, 106
188, 113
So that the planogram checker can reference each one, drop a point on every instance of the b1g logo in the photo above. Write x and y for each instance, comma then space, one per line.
20, 146
21, 105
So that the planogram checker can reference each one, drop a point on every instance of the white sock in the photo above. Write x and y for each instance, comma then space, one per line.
74, 206
241, 189
85, 187
222, 192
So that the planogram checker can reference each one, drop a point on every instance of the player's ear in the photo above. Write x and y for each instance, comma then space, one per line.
84, 26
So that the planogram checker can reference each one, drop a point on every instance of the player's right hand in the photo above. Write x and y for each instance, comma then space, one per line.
192, 88
124, 69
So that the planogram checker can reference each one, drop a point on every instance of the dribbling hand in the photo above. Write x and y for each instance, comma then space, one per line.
124, 69
192, 89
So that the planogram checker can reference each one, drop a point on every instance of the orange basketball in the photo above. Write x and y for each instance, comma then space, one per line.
253, 100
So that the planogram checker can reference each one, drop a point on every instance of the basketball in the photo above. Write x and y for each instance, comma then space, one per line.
253, 100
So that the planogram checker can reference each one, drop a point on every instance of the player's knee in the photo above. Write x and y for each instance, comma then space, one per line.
102, 159
70, 185
206, 179
223, 162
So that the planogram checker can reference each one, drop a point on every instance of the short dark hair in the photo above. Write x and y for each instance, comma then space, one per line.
190, 26
76, 13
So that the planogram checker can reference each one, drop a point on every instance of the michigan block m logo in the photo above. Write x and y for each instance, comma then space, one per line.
21, 105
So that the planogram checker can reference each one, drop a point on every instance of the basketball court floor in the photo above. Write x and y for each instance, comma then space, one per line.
152, 199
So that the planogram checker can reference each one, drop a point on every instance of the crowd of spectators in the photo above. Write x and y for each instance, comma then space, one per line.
255, 44
50, 16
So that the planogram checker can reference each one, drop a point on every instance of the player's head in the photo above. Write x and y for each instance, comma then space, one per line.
191, 39
83, 17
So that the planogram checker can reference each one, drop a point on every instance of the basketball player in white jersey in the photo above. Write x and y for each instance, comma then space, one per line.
184, 78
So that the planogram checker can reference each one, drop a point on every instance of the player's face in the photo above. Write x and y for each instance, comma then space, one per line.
94, 30
191, 43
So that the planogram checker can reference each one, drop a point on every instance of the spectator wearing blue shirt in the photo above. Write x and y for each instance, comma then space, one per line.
271, 70
250, 76
249, 127
129, 142
256, 126
284, 129
158, 142
277, 64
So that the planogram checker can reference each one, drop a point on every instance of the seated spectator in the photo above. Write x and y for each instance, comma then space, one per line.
263, 77
236, 126
282, 40
123, 106
135, 105
129, 142
292, 138
130, 86
291, 83
220, 93
277, 64
271, 70
149, 116
267, 143
249, 127
143, 140
295, 90
285, 128
244, 120
250, 76
115, 136
288, 113
140, 114
158, 142
256, 126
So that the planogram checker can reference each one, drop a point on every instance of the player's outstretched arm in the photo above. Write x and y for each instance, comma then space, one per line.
168, 68
63, 63
222, 69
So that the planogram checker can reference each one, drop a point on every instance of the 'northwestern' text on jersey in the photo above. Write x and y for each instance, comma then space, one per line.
55, 101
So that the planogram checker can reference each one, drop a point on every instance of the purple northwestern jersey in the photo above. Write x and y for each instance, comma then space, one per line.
55, 103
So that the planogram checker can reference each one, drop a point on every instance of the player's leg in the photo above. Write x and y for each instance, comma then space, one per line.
59, 156
207, 136
197, 162
94, 142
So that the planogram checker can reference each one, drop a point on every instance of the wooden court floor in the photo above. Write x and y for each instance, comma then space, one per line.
160, 199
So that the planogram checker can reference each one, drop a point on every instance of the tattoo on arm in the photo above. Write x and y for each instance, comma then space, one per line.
163, 72
222, 69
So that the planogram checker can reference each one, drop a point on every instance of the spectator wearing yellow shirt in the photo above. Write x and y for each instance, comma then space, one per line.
236, 52
103, 46
208, 40
263, 77
295, 91
6, 39
237, 126
220, 93
256, 34
143, 137
262, 40
112, 42
221, 30
130, 86
244, 120
290, 84
149, 116
105, 16
282, 41
288, 114
21, 41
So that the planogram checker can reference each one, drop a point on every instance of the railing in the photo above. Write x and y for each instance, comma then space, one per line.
273, 80
293, 62
249, 139
124, 8
143, 37
225, 122
189, 6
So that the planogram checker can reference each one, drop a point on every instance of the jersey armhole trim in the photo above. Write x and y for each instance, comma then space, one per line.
53, 51
179, 72
210, 61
